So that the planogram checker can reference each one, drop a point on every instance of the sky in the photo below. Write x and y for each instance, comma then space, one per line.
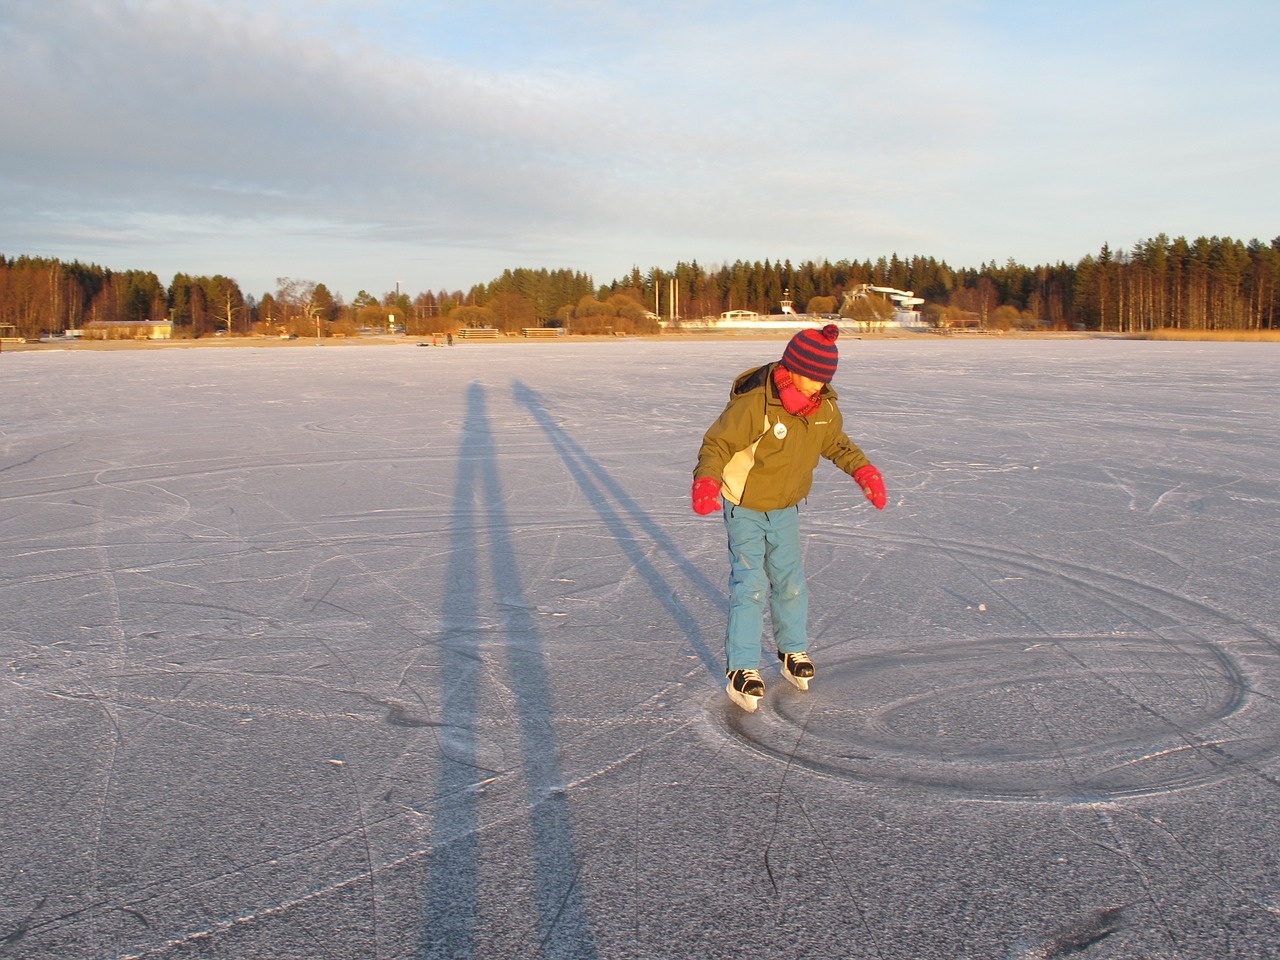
388, 144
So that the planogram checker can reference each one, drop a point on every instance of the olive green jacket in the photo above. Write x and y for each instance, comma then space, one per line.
763, 456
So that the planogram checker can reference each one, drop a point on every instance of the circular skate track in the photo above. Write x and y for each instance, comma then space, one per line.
1164, 706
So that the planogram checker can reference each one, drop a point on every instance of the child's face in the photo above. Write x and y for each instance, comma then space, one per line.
805, 385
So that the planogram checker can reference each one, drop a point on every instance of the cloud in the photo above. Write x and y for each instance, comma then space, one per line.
297, 138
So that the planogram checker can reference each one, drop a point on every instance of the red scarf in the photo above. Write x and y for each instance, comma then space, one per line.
793, 401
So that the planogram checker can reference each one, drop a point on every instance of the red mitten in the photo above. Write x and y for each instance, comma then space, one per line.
872, 484
706, 495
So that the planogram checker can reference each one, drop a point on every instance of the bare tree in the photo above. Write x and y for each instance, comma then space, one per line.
301, 295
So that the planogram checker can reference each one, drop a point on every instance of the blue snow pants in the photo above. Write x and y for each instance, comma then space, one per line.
764, 561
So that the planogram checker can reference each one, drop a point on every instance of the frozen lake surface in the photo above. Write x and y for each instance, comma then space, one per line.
389, 652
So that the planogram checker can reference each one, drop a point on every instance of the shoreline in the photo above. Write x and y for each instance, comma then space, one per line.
376, 340
221, 343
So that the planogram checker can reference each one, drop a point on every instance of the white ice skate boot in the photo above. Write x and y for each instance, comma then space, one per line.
745, 688
797, 667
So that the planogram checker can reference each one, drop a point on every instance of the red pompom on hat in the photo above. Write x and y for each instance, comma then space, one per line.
813, 353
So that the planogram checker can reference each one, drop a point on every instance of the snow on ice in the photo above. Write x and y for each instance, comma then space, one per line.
381, 652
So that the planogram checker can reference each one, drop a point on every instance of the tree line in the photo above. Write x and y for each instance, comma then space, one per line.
1210, 283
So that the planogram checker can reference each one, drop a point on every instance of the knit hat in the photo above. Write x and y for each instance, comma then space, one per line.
813, 354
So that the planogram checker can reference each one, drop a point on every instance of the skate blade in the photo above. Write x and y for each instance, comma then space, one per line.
801, 682
747, 703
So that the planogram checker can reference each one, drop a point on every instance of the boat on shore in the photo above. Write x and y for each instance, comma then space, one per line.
901, 303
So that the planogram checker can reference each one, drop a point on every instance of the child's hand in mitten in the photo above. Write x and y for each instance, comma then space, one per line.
872, 484
706, 495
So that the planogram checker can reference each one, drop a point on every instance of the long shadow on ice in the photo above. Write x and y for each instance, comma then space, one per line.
452, 916
602, 491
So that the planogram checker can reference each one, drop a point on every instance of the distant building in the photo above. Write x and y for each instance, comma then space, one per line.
905, 302
128, 330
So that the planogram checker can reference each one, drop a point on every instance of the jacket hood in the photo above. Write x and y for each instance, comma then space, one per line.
759, 378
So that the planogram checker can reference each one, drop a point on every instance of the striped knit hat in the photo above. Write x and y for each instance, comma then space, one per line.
813, 354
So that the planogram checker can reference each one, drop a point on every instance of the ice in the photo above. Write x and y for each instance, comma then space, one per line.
364, 651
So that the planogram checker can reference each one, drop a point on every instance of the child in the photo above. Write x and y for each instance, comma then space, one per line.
758, 460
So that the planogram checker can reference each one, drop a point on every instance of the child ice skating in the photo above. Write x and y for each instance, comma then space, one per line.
757, 463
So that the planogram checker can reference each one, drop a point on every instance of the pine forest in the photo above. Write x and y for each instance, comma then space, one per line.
1206, 284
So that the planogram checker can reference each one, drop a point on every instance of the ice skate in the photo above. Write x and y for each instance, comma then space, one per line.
745, 688
797, 667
